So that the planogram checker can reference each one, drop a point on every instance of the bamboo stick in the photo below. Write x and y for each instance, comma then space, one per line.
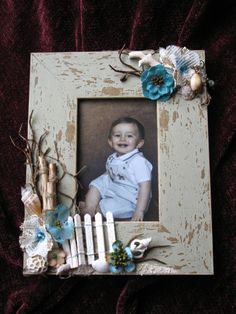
51, 187
43, 168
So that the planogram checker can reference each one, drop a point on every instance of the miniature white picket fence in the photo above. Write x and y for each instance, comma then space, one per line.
88, 244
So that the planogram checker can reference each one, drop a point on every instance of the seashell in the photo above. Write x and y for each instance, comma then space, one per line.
138, 247
148, 60
101, 266
31, 202
145, 59
196, 82
180, 57
165, 58
56, 257
62, 269
136, 54
188, 74
36, 264
187, 92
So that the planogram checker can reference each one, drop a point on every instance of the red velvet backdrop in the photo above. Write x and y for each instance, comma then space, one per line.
82, 25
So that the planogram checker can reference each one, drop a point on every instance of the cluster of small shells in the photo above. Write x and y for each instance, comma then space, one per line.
173, 57
192, 83
56, 257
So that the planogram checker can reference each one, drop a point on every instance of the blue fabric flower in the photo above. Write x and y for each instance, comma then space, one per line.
121, 259
58, 225
157, 83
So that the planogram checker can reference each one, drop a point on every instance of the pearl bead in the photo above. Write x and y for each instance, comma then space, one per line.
40, 236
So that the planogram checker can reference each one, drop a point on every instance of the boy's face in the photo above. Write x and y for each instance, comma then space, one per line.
125, 138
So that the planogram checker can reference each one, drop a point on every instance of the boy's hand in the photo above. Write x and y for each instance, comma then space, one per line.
137, 216
143, 200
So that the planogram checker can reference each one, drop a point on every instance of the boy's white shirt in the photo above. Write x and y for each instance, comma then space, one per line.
139, 167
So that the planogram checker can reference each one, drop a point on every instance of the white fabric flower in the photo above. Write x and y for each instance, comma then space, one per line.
35, 240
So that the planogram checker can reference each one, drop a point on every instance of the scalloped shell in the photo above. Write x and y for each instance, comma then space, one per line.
179, 57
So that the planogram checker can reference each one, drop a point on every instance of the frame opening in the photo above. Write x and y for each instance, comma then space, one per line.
94, 119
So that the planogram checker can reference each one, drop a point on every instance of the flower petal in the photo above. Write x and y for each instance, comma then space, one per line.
114, 269
68, 229
130, 267
152, 96
153, 88
169, 81
153, 70
63, 212
144, 75
128, 251
160, 70
165, 97
149, 86
163, 90
116, 245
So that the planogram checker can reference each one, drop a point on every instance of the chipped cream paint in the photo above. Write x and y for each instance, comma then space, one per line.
175, 116
109, 81
183, 160
203, 173
173, 240
111, 91
89, 82
59, 136
163, 229
70, 132
36, 81
164, 148
164, 120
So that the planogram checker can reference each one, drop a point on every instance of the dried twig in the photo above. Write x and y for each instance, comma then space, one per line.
126, 64
133, 71
30, 150
33, 141
149, 260
29, 161
33, 151
125, 71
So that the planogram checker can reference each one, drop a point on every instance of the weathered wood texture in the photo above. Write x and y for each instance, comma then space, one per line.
58, 80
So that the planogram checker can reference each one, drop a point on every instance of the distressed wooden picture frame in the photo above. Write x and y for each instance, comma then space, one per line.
58, 80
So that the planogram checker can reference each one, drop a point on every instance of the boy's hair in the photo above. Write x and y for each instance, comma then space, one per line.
140, 127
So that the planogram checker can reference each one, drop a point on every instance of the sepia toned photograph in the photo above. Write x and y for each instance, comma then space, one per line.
95, 118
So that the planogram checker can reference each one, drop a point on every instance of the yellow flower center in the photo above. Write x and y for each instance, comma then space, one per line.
58, 224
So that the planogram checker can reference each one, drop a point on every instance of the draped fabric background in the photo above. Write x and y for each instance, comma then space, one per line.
83, 25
